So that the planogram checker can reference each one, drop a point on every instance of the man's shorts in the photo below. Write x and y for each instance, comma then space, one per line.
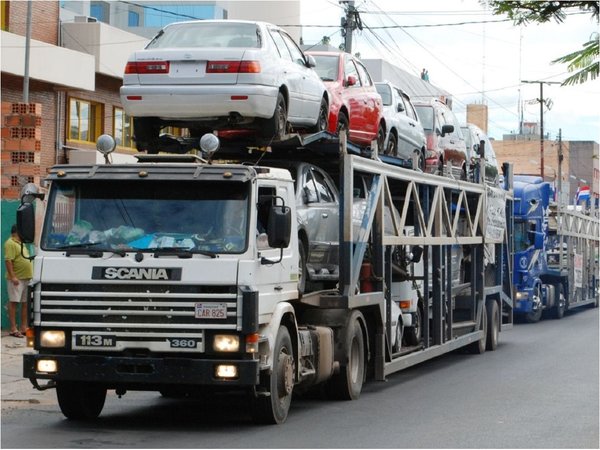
17, 293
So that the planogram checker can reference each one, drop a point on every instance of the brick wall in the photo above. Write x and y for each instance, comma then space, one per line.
21, 146
46, 96
44, 19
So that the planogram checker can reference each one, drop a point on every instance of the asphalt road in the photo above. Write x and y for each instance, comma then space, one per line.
539, 389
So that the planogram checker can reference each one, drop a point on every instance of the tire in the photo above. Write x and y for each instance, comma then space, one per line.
301, 268
274, 408
343, 124
493, 326
478, 348
347, 384
535, 316
398, 332
560, 303
79, 400
412, 335
276, 127
323, 119
421, 159
380, 138
391, 148
145, 134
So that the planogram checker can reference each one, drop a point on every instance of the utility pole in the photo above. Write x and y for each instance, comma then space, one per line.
27, 47
541, 101
560, 160
350, 23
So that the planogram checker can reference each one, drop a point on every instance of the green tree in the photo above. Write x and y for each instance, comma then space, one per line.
582, 63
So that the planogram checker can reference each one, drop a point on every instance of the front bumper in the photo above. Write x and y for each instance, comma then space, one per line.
524, 302
136, 371
199, 102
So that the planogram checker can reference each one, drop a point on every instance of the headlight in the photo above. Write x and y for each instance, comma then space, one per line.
46, 366
226, 343
226, 371
52, 338
522, 295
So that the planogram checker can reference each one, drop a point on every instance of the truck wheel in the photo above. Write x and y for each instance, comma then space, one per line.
323, 119
493, 326
274, 408
560, 303
535, 315
477, 348
397, 342
412, 334
276, 127
80, 401
347, 384
145, 133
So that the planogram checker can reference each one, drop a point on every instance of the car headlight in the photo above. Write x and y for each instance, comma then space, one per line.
52, 338
226, 343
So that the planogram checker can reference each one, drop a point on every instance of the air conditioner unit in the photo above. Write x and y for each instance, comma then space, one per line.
81, 19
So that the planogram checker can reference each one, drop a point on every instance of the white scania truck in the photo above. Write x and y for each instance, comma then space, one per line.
180, 276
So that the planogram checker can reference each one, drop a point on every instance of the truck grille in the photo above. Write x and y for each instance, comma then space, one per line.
136, 309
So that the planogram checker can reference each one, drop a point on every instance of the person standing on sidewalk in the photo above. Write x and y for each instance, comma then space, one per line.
19, 271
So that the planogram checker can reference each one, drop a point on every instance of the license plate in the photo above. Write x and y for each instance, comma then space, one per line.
95, 340
211, 311
187, 69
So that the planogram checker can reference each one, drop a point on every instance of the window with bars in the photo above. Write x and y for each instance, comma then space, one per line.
85, 120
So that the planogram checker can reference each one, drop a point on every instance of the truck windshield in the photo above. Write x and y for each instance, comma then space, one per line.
196, 217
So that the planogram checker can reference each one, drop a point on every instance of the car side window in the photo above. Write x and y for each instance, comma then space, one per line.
350, 70
410, 109
325, 193
365, 78
280, 44
452, 120
400, 100
297, 55
309, 189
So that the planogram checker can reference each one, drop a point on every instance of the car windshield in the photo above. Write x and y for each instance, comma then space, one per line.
425, 114
327, 67
468, 137
195, 217
522, 242
207, 34
385, 92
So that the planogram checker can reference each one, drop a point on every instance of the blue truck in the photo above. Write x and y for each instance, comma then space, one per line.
555, 252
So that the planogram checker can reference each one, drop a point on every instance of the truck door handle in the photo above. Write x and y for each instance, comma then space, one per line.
324, 215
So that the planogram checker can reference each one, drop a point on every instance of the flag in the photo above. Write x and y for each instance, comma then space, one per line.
583, 194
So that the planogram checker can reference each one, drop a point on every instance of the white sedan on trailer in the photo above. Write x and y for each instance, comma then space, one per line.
220, 75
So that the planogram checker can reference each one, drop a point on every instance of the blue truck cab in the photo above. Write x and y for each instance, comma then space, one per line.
532, 276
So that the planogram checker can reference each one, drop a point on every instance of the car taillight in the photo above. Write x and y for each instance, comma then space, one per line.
143, 67
431, 141
233, 67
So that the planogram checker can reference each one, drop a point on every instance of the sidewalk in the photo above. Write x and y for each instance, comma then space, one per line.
16, 391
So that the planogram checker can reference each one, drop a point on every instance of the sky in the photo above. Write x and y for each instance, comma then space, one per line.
475, 62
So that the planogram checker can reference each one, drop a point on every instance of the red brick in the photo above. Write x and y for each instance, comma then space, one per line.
10, 193
5, 132
6, 108
12, 120
30, 170
11, 145
30, 145
30, 120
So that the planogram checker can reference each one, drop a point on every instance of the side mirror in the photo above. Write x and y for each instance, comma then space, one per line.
481, 149
447, 129
279, 228
310, 196
400, 107
26, 223
310, 61
417, 252
351, 81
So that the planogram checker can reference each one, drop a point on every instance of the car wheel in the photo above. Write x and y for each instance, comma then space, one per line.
391, 149
420, 159
323, 119
276, 127
343, 123
380, 137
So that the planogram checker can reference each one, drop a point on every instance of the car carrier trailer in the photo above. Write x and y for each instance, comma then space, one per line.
132, 306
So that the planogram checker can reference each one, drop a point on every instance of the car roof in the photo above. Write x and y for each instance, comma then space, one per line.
256, 22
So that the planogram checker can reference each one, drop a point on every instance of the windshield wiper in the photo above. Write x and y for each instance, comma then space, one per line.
180, 252
86, 249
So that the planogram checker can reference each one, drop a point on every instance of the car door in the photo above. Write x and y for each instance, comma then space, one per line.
291, 76
353, 98
416, 132
373, 107
311, 85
